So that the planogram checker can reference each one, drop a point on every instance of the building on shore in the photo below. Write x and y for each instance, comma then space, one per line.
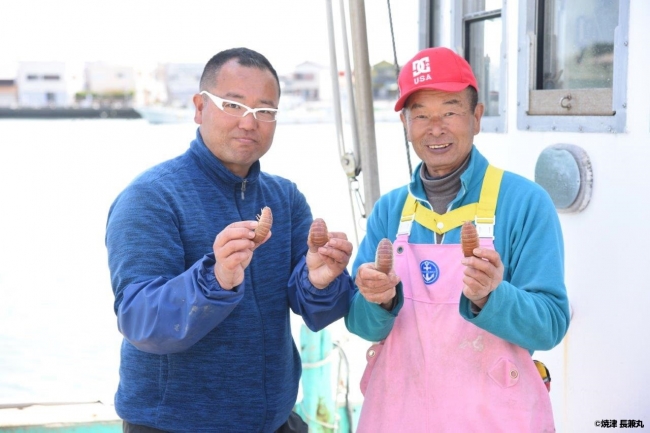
45, 84
108, 85
8, 93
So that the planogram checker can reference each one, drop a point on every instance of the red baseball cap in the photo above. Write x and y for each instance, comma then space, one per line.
436, 68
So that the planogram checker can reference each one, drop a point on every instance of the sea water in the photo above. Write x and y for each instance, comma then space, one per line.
58, 334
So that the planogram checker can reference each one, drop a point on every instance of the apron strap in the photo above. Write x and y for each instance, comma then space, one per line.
482, 213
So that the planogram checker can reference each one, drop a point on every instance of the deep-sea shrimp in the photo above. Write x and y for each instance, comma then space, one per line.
265, 222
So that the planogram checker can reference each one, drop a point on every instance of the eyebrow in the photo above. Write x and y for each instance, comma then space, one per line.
239, 97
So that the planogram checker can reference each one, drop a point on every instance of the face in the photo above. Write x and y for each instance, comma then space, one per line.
238, 141
441, 127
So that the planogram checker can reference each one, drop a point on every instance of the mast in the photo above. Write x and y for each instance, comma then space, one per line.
365, 107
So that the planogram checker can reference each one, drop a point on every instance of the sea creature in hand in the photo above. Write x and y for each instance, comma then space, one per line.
468, 238
265, 222
384, 256
318, 235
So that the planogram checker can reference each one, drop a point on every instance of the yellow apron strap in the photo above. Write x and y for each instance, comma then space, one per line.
487, 204
440, 224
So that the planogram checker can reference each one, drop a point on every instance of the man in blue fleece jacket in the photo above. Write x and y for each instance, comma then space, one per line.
203, 309
456, 333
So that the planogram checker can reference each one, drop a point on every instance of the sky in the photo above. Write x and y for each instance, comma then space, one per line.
146, 32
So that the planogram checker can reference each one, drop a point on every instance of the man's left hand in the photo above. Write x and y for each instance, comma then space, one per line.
329, 261
483, 273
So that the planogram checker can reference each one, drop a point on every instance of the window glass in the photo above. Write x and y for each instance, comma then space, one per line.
572, 64
471, 6
481, 36
578, 44
484, 43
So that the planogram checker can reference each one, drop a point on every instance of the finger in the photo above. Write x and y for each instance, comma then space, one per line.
479, 264
234, 265
268, 236
472, 284
335, 255
475, 294
368, 276
394, 278
488, 255
250, 225
330, 262
379, 298
481, 277
338, 235
340, 244
233, 246
233, 233
376, 285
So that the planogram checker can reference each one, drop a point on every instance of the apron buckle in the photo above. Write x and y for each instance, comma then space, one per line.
405, 224
485, 226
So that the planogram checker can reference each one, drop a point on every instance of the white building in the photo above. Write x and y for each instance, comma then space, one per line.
309, 81
8, 93
109, 82
43, 84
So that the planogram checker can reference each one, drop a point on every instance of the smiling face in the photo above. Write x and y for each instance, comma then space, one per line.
238, 141
441, 127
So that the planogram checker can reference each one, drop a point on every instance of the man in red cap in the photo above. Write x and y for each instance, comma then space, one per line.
456, 333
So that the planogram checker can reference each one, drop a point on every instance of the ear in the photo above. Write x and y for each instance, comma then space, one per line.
478, 114
405, 124
198, 110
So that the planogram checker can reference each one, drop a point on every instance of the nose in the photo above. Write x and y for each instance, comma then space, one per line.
437, 125
248, 122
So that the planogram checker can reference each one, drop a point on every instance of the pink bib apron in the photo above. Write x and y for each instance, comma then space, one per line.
436, 372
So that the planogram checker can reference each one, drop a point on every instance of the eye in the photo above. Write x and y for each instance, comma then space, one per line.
419, 116
231, 106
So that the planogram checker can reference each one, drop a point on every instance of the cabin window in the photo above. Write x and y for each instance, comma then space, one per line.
482, 39
572, 65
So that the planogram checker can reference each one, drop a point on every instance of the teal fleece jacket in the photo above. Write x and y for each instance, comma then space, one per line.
195, 357
530, 307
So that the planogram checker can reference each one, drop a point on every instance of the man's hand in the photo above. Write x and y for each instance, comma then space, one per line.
375, 286
328, 262
233, 251
483, 273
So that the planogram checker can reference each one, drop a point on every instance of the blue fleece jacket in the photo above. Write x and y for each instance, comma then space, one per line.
530, 307
195, 357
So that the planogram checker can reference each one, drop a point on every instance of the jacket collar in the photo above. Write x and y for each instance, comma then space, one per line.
471, 178
214, 168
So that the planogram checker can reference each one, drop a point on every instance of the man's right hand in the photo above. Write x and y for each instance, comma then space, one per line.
233, 251
375, 286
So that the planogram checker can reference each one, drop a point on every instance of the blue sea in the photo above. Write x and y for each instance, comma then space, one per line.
58, 335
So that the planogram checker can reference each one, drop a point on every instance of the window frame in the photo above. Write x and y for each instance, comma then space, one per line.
594, 113
497, 123
490, 123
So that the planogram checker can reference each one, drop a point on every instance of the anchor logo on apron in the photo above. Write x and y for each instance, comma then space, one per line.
430, 271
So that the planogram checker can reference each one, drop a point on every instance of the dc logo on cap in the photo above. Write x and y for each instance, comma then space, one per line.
430, 271
421, 66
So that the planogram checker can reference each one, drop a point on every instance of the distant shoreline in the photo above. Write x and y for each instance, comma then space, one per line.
69, 113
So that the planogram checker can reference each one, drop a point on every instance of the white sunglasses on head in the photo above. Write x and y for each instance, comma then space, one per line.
240, 110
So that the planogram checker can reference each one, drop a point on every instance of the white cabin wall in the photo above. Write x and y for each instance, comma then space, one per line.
600, 370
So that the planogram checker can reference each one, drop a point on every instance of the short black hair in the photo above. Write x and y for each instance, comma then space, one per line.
245, 57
